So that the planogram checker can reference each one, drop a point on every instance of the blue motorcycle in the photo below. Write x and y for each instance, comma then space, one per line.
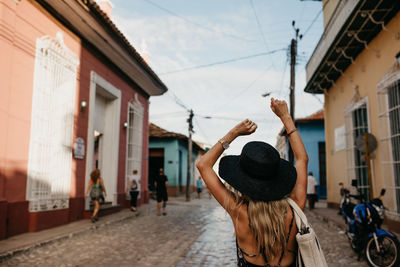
380, 247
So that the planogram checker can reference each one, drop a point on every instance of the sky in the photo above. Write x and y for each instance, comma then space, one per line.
188, 41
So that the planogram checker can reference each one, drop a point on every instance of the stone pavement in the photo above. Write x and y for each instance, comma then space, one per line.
121, 239
28, 241
195, 233
216, 245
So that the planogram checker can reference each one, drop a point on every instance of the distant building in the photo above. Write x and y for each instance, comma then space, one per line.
356, 65
311, 130
169, 150
74, 96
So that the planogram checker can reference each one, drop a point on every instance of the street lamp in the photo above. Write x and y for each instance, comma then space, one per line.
266, 94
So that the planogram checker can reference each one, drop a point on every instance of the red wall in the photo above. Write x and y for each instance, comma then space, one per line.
23, 22
90, 63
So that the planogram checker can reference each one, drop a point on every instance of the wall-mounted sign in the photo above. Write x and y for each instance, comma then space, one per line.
79, 148
340, 138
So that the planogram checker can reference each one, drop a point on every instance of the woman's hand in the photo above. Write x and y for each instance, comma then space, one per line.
246, 127
279, 108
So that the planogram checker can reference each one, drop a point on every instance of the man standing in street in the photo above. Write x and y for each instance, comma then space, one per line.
311, 190
161, 184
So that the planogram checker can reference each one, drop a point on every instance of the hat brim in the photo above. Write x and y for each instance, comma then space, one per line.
257, 189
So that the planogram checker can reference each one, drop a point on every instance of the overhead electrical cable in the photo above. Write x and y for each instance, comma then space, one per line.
261, 30
177, 100
235, 119
197, 24
230, 100
316, 17
169, 114
222, 62
202, 132
312, 23
283, 77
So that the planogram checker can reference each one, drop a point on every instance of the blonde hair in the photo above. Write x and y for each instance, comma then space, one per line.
267, 223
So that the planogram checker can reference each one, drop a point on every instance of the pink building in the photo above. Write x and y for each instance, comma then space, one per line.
74, 95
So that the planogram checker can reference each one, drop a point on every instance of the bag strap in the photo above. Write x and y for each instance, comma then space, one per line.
301, 219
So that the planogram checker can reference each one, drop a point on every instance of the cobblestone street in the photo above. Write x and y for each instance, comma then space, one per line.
198, 233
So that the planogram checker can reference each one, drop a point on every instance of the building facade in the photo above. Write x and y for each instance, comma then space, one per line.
74, 97
356, 66
169, 151
311, 130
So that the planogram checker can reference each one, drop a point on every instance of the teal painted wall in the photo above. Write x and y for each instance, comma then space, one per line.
312, 134
172, 147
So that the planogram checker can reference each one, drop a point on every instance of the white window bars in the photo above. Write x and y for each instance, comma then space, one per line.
356, 124
134, 138
388, 90
52, 122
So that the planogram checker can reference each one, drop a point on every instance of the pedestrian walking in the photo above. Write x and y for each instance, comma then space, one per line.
199, 184
97, 192
134, 188
342, 192
311, 190
161, 183
262, 217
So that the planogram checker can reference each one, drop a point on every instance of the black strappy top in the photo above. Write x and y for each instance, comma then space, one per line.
242, 261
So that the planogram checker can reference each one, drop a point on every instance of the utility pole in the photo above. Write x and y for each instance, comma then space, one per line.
189, 170
293, 54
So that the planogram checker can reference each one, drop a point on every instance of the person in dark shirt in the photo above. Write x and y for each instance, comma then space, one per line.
161, 183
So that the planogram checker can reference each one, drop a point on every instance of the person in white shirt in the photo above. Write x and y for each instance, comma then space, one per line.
311, 191
134, 188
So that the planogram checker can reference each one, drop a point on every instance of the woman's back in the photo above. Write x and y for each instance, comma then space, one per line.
247, 242
260, 175
97, 184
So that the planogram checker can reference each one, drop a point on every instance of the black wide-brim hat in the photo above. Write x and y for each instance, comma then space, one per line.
259, 172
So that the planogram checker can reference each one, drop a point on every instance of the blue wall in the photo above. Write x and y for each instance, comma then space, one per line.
171, 159
312, 134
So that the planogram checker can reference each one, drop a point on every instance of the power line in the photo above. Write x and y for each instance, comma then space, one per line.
234, 119
169, 114
283, 76
260, 29
222, 62
177, 100
312, 23
201, 130
242, 91
316, 17
319, 100
197, 24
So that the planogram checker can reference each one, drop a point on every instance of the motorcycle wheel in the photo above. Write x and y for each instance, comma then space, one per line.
388, 255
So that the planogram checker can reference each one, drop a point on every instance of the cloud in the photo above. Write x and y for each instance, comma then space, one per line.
228, 92
202, 91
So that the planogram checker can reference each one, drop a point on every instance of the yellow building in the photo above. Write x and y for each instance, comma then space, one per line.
356, 65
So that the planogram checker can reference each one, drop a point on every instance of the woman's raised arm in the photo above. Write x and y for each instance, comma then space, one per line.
299, 192
207, 161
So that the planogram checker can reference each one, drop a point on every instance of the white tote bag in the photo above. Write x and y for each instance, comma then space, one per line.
309, 250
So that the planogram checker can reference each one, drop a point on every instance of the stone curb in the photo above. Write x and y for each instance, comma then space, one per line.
65, 236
